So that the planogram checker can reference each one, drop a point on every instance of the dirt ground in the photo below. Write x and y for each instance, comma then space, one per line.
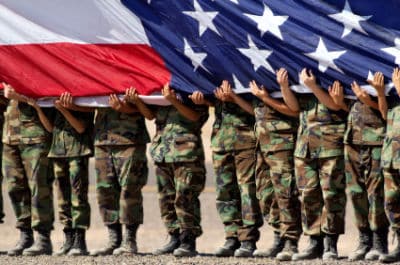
152, 234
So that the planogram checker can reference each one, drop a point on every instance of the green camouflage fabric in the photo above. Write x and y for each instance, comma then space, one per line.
72, 186
364, 179
121, 173
177, 138
116, 128
67, 142
179, 186
29, 177
323, 199
3, 107
392, 197
321, 130
391, 144
22, 124
275, 168
365, 126
232, 128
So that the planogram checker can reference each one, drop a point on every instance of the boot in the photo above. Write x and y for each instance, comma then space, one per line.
42, 245
228, 249
277, 247
69, 235
129, 243
187, 248
393, 256
246, 249
313, 251
364, 245
173, 244
379, 245
114, 241
288, 250
25, 241
330, 247
79, 247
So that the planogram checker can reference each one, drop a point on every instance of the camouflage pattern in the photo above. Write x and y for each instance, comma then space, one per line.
321, 130
392, 196
276, 136
72, 186
179, 186
66, 141
121, 173
3, 106
26, 167
233, 143
364, 177
177, 139
29, 177
323, 200
116, 128
177, 151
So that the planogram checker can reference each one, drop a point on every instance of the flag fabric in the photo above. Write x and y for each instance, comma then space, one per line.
98, 47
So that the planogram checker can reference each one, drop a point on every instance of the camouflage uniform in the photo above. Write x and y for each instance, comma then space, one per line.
364, 177
177, 151
70, 153
3, 106
390, 162
276, 135
121, 165
26, 166
233, 143
319, 167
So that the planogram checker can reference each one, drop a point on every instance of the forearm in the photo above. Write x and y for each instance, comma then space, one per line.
245, 105
290, 99
383, 107
44, 120
325, 99
280, 106
77, 124
187, 112
144, 110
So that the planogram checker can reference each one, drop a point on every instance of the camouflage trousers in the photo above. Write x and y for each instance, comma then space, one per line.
321, 183
392, 196
179, 186
1, 198
121, 173
29, 177
72, 185
364, 179
277, 192
237, 203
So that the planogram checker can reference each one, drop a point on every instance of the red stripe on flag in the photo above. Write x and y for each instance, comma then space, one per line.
40, 70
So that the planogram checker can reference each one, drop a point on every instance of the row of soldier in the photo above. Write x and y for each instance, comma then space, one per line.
300, 148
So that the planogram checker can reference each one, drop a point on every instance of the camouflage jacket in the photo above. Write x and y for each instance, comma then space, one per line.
365, 125
67, 142
274, 130
115, 128
177, 139
233, 128
321, 130
22, 124
391, 144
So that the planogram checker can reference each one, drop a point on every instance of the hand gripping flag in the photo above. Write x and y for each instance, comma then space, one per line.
98, 47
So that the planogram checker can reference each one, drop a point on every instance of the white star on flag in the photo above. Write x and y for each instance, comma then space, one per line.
325, 58
205, 18
269, 22
350, 20
196, 58
394, 51
257, 56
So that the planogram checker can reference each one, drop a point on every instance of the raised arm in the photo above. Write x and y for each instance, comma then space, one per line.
288, 96
47, 124
10, 93
230, 96
363, 96
170, 95
263, 94
61, 105
337, 95
198, 98
121, 105
132, 96
309, 80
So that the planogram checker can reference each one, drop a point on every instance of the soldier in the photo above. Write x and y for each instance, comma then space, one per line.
70, 151
276, 127
121, 172
319, 165
390, 163
177, 151
364, 176
233, 143
26, 167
